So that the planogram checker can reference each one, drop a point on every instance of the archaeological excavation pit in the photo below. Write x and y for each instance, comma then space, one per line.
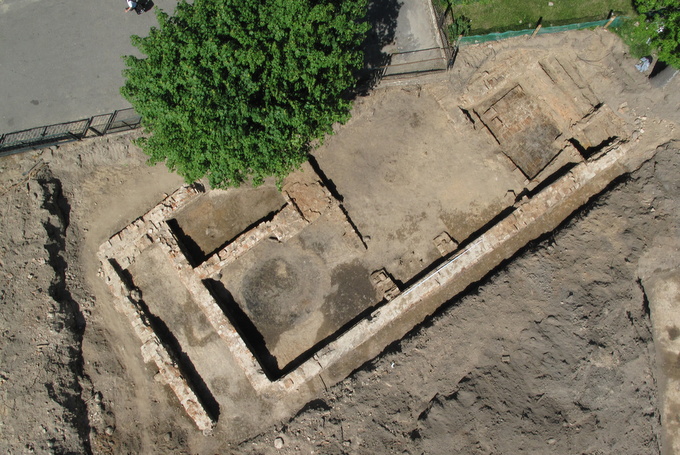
218, 217
255, 295
272, 285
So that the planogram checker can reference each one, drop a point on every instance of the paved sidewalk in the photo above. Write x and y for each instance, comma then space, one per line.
61, 60
417, 46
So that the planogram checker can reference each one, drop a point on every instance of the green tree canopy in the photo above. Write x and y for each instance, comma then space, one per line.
235, 90
659, 26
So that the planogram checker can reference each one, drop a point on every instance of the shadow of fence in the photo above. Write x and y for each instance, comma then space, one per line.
45, 136
418, 62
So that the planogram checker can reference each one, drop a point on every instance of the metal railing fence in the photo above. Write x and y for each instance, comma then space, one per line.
45, 136
444, 17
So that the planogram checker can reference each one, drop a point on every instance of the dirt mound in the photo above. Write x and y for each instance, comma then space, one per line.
42, 406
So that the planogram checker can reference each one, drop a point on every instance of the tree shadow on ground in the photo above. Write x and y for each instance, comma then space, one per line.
382, 15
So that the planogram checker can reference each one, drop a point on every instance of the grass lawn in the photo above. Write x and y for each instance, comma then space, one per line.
630, 34
502, 15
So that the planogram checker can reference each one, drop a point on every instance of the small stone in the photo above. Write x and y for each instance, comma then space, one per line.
466, 398
108, 430
278, 443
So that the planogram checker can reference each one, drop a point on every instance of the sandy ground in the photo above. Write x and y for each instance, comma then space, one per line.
551, 353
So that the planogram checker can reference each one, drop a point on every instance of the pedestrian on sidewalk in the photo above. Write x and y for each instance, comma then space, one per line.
131, 5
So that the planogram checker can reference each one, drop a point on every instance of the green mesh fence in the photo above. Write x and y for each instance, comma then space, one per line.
476, 39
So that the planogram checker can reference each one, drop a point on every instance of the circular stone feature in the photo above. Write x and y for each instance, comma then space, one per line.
284, 289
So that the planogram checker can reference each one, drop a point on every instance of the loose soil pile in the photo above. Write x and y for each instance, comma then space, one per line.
552, 353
